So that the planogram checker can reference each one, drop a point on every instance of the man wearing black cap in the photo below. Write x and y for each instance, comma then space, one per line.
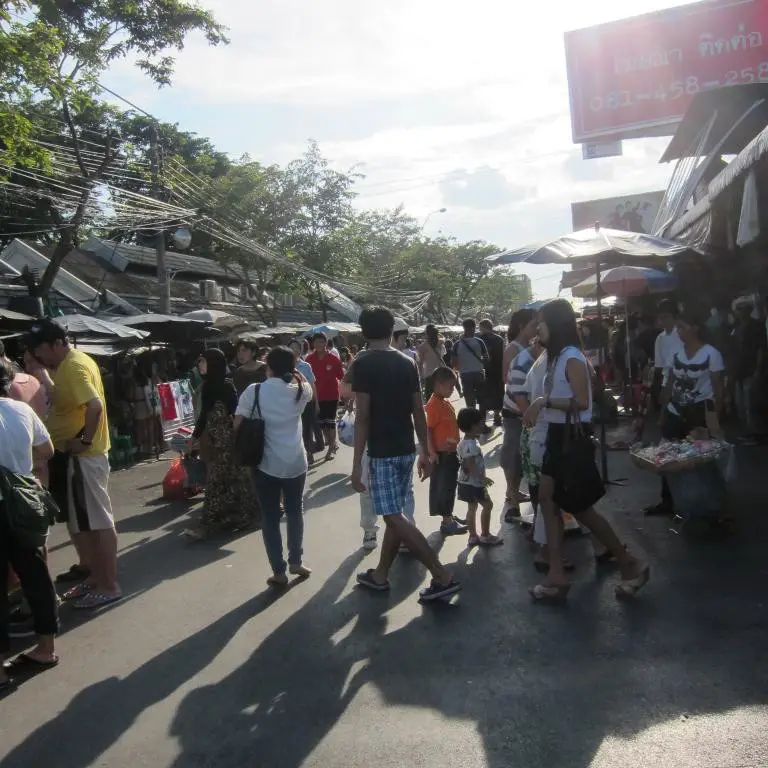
79, 470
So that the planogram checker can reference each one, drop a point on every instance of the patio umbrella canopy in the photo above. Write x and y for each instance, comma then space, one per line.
216, 318
626, 281
607, 246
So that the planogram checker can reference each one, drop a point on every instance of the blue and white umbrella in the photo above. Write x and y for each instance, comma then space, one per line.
625, 282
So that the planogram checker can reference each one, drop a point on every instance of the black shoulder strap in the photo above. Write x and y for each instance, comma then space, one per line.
474, 354
256, 405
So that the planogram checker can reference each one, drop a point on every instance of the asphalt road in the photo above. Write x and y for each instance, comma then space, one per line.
202, 665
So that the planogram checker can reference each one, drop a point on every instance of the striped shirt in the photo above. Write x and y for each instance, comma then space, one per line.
516, 375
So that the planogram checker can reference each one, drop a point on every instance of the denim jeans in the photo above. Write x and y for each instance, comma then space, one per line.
270, 489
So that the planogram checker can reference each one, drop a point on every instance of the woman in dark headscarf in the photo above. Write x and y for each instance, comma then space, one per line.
229, 496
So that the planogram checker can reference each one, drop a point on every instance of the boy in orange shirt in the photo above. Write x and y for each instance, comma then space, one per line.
443, 436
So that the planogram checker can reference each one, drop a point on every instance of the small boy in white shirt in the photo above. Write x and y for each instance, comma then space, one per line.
473, 483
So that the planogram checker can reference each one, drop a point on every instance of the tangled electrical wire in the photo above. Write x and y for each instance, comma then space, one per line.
112, 188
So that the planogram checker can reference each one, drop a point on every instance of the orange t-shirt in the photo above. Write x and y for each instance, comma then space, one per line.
441, 419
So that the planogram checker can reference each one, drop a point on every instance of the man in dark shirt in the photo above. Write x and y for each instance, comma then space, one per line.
750, 351
389, 404
494, 381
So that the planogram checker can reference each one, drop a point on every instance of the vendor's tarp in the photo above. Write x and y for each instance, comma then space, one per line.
172, 329
85, 325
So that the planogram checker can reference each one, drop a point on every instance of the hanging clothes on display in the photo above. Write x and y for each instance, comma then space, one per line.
187, 407
168, 410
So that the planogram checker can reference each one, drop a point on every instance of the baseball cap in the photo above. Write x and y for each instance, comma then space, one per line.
44, 331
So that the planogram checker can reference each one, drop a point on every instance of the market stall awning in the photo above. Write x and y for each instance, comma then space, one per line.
728, 105
14, 321
694, 226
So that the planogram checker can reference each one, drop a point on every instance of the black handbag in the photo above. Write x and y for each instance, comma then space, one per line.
578, 485
249, 441
29, 508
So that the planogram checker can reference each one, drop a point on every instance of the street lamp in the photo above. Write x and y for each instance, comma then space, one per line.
430, 215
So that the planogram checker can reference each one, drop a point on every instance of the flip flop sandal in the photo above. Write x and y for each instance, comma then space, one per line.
437, 591
96, 600
24, 663
76, 592
626, 590
473, 541
490, 541
366, 580
542, 593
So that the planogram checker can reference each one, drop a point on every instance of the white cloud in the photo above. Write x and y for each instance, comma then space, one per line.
438, 102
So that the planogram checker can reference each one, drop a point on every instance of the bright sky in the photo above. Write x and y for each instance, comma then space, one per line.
440, 103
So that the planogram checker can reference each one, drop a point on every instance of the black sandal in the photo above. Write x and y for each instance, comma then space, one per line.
436, 590
366, 580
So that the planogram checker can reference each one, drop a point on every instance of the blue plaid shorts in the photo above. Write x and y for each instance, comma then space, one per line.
390, 480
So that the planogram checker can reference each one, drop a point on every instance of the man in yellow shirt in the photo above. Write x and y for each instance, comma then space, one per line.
79, 469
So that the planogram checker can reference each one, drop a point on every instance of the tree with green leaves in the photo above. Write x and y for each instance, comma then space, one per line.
317, 202
69, 44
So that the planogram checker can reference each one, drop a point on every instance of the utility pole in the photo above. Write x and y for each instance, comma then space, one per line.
164, 304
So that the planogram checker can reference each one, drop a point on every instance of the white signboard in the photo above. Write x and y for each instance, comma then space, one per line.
595, 150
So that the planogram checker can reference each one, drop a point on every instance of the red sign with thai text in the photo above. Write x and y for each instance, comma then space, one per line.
637, 76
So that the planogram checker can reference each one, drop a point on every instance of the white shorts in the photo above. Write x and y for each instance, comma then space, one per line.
89, 506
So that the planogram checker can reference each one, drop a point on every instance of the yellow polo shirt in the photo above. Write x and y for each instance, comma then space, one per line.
77, 381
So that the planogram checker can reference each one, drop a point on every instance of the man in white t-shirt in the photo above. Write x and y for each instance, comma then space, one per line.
667, 344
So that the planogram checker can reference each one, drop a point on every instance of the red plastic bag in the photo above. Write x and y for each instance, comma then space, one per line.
175, 481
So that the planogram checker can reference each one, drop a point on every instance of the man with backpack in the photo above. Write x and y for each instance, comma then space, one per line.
470, 356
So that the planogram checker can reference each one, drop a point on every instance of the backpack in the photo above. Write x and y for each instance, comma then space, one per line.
29, 508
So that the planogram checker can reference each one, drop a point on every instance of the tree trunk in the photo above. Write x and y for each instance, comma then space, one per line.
63, 247
323, 307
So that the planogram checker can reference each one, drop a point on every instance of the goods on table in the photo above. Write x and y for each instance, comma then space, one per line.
670, 456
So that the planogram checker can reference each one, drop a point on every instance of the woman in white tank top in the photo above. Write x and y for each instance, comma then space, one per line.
568, 390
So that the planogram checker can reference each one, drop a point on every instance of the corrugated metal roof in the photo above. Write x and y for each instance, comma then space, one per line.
146, 258
694, 224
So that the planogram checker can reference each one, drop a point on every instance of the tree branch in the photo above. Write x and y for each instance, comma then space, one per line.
75, 139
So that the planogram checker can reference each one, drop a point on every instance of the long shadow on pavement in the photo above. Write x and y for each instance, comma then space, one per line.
97, 716
544, 686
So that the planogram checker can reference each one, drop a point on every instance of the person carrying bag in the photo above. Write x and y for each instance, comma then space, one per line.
26, 512
249, 438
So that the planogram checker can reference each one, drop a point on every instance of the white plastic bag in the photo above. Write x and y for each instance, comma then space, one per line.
347, 429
